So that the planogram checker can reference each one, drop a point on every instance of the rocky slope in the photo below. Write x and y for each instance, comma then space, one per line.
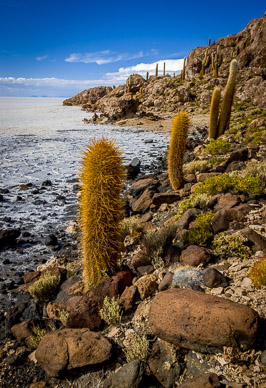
160, 95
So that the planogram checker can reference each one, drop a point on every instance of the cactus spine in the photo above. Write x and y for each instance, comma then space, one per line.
228, 98
184, 69
214, 113
205, 62
177, 149
100, 209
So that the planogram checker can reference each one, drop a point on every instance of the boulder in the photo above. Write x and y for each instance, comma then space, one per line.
138, 187
129, 376
160, 198
142, 204
221, 219
186, 218
8, 237
257, 241
213, 278
68, 349
207, 380
200, 322
194, 255
146, 285
227, 201
127, 298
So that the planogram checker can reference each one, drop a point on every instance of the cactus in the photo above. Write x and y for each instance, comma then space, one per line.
147, 76
214, 113
101, 209
216, 62
183, 71
228, 98
164, 69
174, 75
177, 149
209, 41
129, 84
205, 62
156, 70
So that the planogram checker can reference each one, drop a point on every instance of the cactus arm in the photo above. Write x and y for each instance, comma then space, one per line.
214, 113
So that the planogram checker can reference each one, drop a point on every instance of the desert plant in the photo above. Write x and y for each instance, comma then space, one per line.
147, 76
202, 232
254, 169
156, 70
196, 166
230, 245
228, 98
218, 147
44, 288
217, 59
201, 201
63, 316
101, 209
214, 113
183, 74
215, 159
154, 242
258, 273
111, 311
205, 62
128, 226
164, 69
129, 84
37, 336
137, 347
177, 149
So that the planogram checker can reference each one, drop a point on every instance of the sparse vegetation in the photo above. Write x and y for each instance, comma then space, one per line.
137, 347
230, 245
218, 147
196, 166
111, 311
154, 242
44, 288
38, 334
202, 232
258, 273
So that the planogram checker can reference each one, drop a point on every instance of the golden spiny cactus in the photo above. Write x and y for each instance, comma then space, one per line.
228, 98
216, 62
214, 113
101, 209
205, 62
177, 149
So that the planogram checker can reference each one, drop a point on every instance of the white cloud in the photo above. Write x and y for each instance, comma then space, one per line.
171, 66
41, 58
106, 56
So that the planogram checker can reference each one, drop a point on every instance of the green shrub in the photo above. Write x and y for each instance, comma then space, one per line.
128, 226
202, 232
230, 245
218, 147
226, 183
137, 347
215, 159
254, 169
154, 242
45, 287
111, 311
201, 201
196, 166
38, 334
258, 273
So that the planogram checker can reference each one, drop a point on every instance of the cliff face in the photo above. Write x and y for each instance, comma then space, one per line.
160, 95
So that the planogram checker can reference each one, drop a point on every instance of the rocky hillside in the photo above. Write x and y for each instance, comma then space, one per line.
161, 95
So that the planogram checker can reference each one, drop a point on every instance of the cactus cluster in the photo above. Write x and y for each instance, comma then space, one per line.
177, 149
101, 209
218, 124
129, 84
183, 71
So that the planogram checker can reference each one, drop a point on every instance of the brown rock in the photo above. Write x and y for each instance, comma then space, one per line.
160, 198
138, 187
84, 311
221, 219
89, 96
127, 298
186, 218
140, 259
194, 255
22, 330
207, 380
200, 322
203, 175
145, 218
142, 204
227, 201
213, 278
166, 282
146, 285
257, 240
71, 348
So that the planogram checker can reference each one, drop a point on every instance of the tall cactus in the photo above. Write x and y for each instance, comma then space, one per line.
129, 84
228, 98
177, 149
164, 69
214, 113
217, 59
147, 76
205, 62
184, 69
156, 70
101, 209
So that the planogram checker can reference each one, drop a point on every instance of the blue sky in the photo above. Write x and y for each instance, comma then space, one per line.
58, 48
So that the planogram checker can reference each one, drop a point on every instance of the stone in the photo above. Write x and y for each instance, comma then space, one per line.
213, 278
22, 330
68, 349
162, 362
257, 241
238, 155
51, 240
145, 218
194, 255
145, 269
263, 357
84, 310
201, 322
142, 204
227, 201
207, 380
160, 198
129, 376
203, 175
8, 237
138, 187
221, 219
140, 259
146, 285
189, 215
166, 281
127, 298
189, 278
171, 255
